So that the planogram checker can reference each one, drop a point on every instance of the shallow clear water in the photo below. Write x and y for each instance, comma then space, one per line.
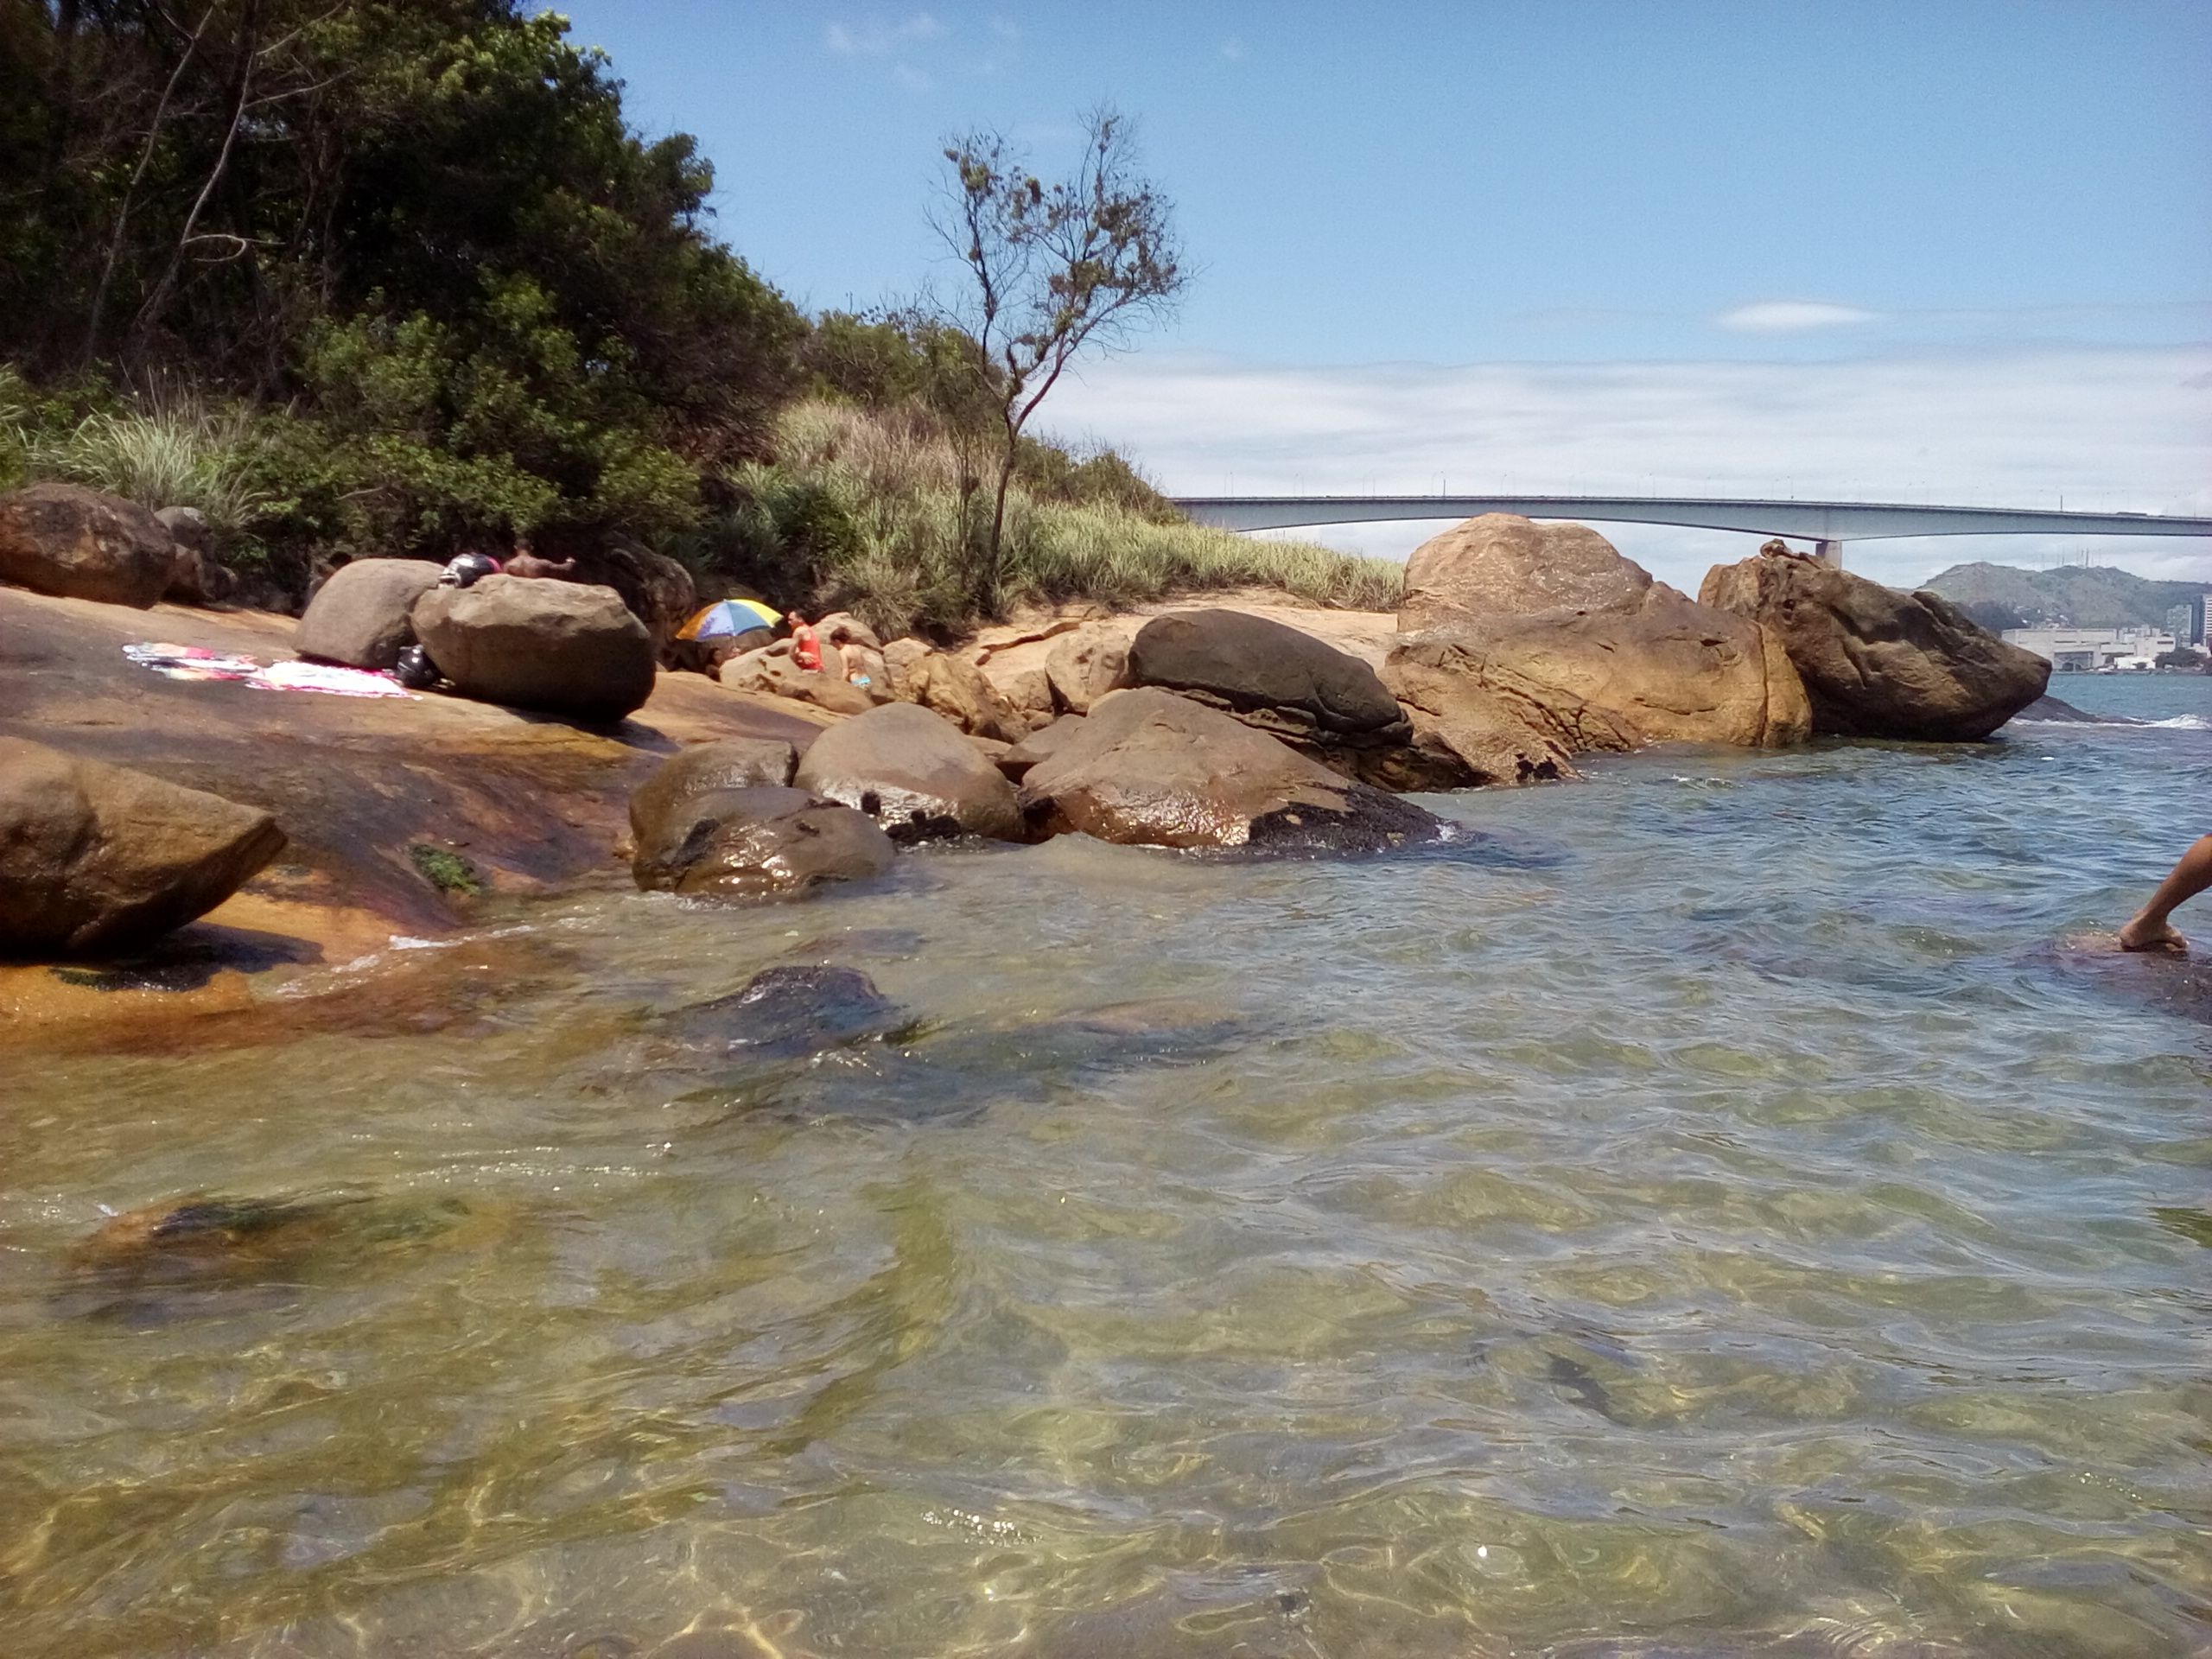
1708, 1211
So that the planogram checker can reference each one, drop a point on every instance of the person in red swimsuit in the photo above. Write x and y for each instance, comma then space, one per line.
806, 645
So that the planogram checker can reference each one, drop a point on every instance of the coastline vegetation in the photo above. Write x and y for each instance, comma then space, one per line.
398, 276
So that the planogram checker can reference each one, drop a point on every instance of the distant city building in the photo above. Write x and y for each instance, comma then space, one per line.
2095, 650
2186, 622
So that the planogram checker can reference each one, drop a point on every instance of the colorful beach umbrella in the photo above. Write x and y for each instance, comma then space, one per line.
725, 618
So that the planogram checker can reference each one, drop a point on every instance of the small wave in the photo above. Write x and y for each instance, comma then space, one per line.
2182, 723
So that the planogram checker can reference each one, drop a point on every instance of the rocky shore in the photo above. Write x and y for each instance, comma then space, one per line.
307, 831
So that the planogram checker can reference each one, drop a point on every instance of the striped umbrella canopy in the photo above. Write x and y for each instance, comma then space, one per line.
728, 617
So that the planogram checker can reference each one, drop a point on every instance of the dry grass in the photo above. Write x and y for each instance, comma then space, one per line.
868, 505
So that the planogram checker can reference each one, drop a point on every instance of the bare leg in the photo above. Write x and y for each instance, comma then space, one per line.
2149, 931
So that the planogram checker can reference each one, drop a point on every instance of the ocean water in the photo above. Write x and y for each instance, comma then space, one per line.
1730, 1205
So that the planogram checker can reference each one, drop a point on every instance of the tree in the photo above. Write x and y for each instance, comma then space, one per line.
1053, 269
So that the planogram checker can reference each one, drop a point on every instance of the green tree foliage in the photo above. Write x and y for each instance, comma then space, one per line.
1053, 269
425, 222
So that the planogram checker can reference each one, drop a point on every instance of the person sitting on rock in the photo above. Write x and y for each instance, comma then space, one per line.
806, 645
2148, 929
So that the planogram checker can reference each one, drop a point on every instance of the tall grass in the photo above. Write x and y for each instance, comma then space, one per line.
865, 511
164, 451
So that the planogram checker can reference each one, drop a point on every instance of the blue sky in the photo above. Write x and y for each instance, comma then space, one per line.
1950, 252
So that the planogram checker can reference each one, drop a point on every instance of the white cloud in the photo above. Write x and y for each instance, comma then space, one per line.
913, 79
1233, 49
1792, 316
2106, 429
877, 37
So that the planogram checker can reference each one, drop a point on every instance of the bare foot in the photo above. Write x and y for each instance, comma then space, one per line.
2145, 935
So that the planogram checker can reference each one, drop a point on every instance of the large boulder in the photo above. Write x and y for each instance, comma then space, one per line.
1500, 564
957, 690
196, 577
914, 771
78, 544
1036, 748
757, 843
1664, 670
361, 616
95, 857
771, 670
561, 646
1152, 768
703, 769
1268, 675
1523, 645
1878, 663
1084, 665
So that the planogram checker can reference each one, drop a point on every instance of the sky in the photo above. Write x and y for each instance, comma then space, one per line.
1956, 253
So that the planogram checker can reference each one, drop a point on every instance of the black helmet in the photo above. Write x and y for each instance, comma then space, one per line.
469, 569
416, 671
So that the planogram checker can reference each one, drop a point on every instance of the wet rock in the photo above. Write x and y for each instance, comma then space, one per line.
362, 615
758, 843
95, 857
559, 647
1152, 768
1464, 734
786, 1011
190, 1236
1877, 663
1500, 564
701, 769
78, 544
1084, 665
1039, 746
916, 772
2049, 711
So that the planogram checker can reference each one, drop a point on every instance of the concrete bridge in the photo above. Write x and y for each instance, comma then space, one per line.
1828, 523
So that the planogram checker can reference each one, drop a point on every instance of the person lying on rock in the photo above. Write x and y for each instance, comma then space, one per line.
527, 563
2149, 929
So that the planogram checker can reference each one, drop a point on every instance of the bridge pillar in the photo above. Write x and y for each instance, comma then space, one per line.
1829, 553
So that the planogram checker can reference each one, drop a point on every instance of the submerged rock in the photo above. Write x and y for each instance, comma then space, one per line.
94, 857
758, 843
362, 615
1877, 663
1152, 768
789, 1011
78, 544
558, 646
914, 771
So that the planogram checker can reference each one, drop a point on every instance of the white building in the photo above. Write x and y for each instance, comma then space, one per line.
2094, 651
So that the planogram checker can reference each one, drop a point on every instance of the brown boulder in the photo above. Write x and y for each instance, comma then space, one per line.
957, 690
914, 771
98, 857
757, 843
1039, 746
657, 591
197, 577
704, 768
78, 543
1152, 768
361, 616
1267, 673
560, 646
1463, 735
771, 671
1084, 665
1666, 669
1877, 663
1500, 564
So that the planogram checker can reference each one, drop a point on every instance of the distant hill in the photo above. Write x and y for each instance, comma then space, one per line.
2075, 595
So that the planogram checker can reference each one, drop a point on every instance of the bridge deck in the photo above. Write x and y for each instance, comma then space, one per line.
1826, 521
